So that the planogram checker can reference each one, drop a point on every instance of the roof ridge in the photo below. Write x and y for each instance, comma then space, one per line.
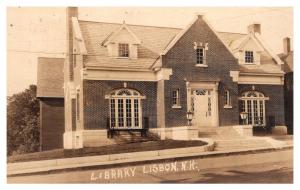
130, 24
232, 32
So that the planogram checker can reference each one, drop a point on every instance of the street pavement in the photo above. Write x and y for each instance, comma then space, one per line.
255, 168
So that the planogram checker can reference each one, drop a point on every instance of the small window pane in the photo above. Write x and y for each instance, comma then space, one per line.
123, 50
249, 57
175, 97
200, 55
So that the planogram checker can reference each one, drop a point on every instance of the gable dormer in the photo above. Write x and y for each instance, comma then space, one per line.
122, 43
247, 49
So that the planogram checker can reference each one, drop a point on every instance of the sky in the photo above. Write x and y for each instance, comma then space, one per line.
40, 32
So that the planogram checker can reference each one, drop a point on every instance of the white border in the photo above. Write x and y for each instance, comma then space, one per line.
224, 3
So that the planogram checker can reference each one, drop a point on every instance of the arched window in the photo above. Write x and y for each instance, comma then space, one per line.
125, 108
253, 103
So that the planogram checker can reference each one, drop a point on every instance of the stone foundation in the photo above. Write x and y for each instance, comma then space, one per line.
244, 130
86, 138
176, 133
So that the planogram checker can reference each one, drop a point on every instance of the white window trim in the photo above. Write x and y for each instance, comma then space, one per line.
201, 65
117, 97
123, 57
257, 99
253, 57
178, 105
204, 64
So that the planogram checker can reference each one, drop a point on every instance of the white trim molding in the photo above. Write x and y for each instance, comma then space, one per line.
126, 75
211, 85
78, 36
234, 75
266, 79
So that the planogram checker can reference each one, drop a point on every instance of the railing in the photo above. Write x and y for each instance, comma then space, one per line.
111, 130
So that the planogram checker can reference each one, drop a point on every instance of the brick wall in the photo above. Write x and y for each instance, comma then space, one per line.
182, 59
274, 106
52, 123
96, 107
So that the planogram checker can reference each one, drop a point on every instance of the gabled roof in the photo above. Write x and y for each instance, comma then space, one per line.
153, 41
240, 43
50, 77
179, 35
111, 37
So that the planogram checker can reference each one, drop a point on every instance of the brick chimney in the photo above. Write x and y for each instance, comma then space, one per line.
286, 45
254, 28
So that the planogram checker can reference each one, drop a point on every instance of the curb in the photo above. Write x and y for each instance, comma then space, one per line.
92, 162
89, 161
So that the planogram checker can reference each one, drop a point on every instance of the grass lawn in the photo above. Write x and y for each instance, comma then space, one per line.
104, 150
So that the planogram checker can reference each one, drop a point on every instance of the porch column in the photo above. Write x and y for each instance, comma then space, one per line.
161, 123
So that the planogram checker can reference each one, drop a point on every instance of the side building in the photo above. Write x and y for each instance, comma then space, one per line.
50, 92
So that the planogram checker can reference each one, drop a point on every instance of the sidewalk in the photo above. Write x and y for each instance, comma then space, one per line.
129, 158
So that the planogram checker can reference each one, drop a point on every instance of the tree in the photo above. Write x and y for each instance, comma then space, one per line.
23, 122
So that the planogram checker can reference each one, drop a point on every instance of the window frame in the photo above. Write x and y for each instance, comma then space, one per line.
176, 98
123, 102
254, 103
249, 59
122, 52
203, 56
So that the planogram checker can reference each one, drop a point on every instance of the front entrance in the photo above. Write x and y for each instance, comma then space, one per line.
203, 101
203, 114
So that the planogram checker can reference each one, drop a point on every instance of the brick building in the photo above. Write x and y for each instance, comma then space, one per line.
119, 75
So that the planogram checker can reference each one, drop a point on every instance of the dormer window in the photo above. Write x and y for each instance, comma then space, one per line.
123, 50
249, 57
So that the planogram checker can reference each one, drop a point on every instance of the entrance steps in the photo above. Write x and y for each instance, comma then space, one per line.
123, 137
219, 133
229, 138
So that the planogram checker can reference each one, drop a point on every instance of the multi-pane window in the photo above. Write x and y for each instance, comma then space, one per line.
125, 108
175, 98
200, 55
249, 57
123, 50
254, 104
227, 98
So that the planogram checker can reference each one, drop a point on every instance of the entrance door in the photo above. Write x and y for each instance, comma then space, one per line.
202, 106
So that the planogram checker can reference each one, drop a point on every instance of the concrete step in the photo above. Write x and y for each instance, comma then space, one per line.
219, 133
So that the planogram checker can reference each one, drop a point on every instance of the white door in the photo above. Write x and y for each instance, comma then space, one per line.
203, 113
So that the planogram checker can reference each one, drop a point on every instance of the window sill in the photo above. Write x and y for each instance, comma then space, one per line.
176, 107
227, 107
201, 65
123, 57
249, 64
